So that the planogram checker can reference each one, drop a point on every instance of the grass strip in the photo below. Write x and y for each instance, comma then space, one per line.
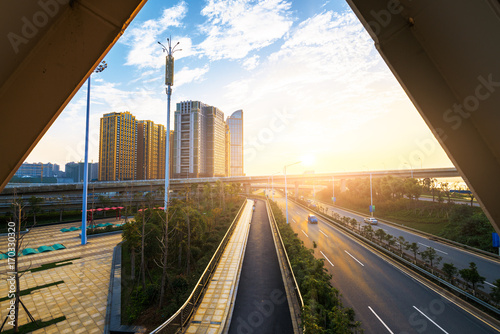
30, 290
30, 327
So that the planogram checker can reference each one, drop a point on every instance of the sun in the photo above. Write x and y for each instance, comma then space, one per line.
308, 160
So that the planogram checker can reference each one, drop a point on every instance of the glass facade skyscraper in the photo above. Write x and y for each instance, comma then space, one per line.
235, 123
199, 141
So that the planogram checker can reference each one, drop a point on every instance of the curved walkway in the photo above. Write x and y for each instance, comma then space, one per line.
261, 304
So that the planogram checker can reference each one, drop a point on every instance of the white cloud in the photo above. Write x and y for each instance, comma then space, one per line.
235, 28
186, 75
143, 40
251, 63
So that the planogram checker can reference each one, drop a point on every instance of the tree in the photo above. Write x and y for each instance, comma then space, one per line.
61, 201
131, 236
495, 292
402, 243
471, 275
450, 271
389, 238
430, 256
368, 231
414, 249
34, 203
354, 223
380, 234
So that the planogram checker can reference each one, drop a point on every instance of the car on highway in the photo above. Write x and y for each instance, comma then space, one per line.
311, 219
371, 221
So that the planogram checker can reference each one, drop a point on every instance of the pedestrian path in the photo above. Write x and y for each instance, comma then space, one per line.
216, 305
83, 270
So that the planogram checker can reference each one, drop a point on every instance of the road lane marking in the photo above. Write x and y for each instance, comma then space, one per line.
437, 250
294, 220
493, 285
324, 233
354, 258
383, 323
305, 233
430, 319
327, 258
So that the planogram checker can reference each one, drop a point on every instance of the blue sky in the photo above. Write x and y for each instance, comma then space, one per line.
306, 74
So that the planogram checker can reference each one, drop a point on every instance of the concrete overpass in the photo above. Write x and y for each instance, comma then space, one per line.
444, 54
47, 189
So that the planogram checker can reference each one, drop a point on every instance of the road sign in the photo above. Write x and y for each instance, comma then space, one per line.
496, 240
372, 208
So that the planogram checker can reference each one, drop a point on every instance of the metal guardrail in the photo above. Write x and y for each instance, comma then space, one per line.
296, 289
465, 295
182, 316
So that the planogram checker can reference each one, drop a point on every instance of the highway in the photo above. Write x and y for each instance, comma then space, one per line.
487, 267
386, 299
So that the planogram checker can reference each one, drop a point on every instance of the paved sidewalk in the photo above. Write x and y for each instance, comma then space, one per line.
82, 297
211, 315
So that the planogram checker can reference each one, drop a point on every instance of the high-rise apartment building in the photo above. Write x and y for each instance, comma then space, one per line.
199, 145
118, 147
228, 151
38, 170
151, 140
74, 170
235, 123
189, 148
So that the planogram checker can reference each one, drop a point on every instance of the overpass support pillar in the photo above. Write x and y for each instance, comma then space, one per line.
342, 185
297, 189
246, 187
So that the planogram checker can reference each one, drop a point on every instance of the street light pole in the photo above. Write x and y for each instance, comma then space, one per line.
272, 183
102, 66
286, 188
333, 188
371, 196
169, 81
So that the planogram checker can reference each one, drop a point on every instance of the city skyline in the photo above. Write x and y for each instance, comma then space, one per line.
310, 81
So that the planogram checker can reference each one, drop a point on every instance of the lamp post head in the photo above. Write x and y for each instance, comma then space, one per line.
101, 67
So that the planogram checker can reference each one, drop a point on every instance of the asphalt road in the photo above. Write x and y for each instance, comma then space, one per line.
385, 299
261, 305
487, 267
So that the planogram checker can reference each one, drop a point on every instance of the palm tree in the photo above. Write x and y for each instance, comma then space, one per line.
414, 248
